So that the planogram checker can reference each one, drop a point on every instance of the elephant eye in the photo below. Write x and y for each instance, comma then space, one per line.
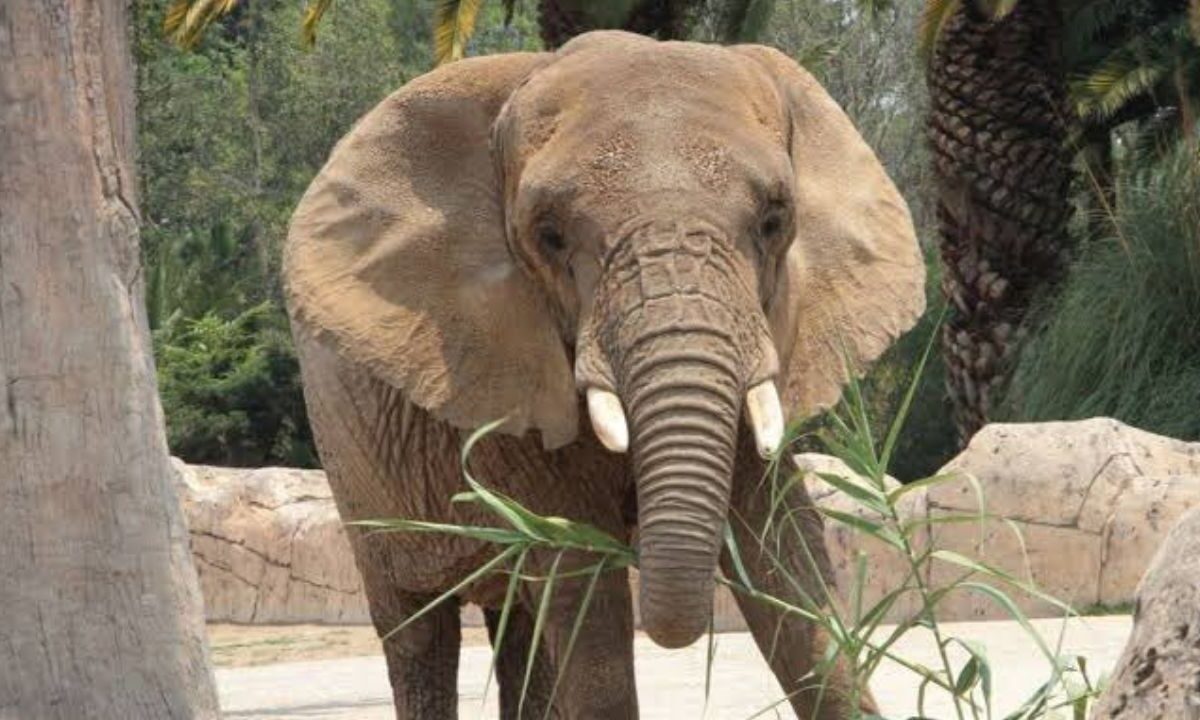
773, 222
550, 239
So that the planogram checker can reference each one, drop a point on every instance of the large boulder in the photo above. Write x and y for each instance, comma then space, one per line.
1079, 508
1158, 675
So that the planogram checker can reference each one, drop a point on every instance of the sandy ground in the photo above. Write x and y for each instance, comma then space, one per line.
345, 679
248, 645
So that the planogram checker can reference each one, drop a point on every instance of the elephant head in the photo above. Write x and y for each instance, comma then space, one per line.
684, 235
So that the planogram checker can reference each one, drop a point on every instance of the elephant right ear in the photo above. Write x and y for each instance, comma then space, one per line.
397, 256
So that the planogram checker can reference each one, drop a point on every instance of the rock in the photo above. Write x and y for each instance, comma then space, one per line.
1158, 675
1078, 507
269, 546
886, 568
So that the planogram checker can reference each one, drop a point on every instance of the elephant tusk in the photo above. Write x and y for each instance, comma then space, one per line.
608, 419
765, 416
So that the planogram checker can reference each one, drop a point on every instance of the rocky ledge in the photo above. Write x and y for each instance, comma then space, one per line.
1078, 507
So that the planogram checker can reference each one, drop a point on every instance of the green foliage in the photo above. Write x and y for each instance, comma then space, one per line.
231, 390
229, 136
1125, 54
1123, 337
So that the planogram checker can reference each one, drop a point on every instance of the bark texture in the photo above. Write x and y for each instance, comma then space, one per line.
102, 616
997, 130
1158, 675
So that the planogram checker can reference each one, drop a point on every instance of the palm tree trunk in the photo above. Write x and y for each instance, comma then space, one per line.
997, 129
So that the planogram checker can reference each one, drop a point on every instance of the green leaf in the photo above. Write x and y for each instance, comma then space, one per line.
485, 534
981, 567
539, 624
918, 373
982, 670
1004, 601
868, 496
483, 570
933, 19
584, 605
454, 24
932, 481
510, 598
312, 18
873, 529
736, 557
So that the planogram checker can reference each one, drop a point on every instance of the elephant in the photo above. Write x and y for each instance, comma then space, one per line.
677, 240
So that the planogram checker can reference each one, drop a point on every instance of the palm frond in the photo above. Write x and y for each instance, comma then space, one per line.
997, 9
454, 23
312, 18
1134, 69
934, 17
186, 20
1113, 84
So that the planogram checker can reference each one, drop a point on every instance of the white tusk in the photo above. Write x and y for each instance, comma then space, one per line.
608, 419
765, 416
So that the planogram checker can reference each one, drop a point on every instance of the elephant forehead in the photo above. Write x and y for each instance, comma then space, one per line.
664, 88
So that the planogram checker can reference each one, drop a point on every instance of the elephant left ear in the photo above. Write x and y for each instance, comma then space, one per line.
854, 277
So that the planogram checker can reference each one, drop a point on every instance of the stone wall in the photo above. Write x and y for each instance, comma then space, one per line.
1080, 507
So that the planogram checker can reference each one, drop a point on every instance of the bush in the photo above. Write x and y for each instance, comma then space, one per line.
231, 390
1122, 337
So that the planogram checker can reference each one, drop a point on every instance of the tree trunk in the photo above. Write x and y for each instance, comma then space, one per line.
997, 129
1158, 675
101, 612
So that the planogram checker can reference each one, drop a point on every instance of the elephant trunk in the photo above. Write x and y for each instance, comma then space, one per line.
683, 410
677, 337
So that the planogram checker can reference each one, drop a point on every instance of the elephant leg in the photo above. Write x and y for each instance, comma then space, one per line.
795, 546
422, 659
511, 658
596, 680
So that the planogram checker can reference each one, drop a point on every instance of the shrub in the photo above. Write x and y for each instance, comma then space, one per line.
231, 390
1122, 337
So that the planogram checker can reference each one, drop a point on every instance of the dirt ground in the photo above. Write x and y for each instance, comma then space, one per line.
247, 645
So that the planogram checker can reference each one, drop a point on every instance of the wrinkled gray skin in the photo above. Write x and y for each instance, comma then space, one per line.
648, 200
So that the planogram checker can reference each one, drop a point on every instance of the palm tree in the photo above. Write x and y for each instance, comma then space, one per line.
1017, 88
997, 128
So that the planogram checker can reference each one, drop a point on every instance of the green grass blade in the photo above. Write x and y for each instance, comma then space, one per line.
866, 496
499, 536
510, 597
483, 570
708, 665
983, 568
875, 530
584, 605
539, 624
897, 424
1003, 600
933, 480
